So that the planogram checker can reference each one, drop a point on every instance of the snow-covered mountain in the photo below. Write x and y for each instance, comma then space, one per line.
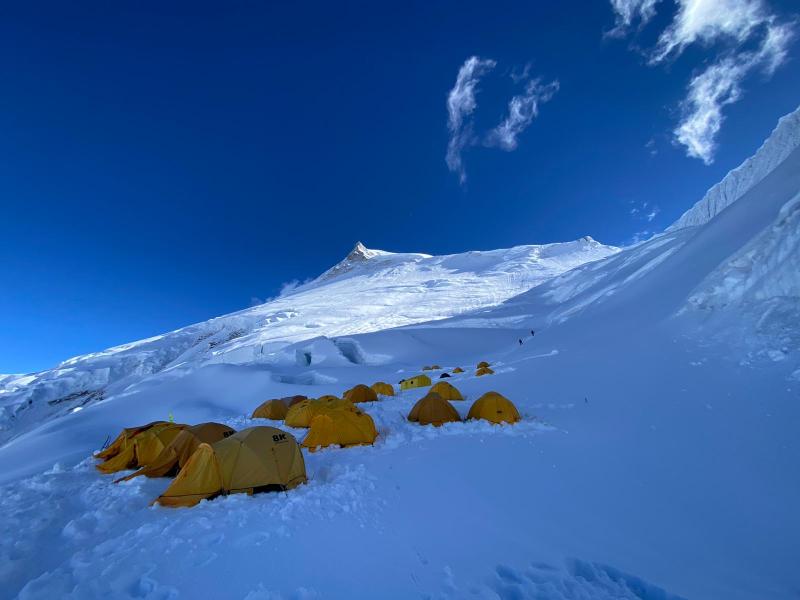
369, 290
656, 458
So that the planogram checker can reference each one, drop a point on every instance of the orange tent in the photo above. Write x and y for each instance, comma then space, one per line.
143, 449
483, 365
292, 400
340, 428
301, 414
271, 409
360, 393
383, 389
123, 439
495, 408
258, 459
458, 370
433, 410
446, 391
177, 453
484, 371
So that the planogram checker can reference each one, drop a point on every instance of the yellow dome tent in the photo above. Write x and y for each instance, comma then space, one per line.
483, 365
292, 400
484, 371
382, 389
415, 382
340, 428
271, 409
433, 410
177, 453
143, 448
435, 367
458, 370
123, 439
300, 414
427, 368
258, 459
360, 393
494, 408
446, 391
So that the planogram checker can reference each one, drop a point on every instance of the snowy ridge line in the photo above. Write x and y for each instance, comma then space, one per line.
784, 139
370, 290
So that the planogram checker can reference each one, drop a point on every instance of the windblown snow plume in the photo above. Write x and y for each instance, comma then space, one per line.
522, 110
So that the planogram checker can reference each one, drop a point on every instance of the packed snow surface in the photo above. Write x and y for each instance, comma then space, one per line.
656, 460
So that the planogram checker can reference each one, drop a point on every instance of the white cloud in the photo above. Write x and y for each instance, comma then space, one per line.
736, 23
706, 21
644, 211
719, 85
522, 110
629, 11
461, 103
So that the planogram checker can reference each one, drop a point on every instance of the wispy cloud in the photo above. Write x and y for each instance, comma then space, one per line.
522, 110
735, 25
628, 12
720, 85
461, 103
644, 211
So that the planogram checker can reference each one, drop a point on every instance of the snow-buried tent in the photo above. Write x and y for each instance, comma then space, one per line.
382, 389
258, 459
271, 409
360, 393
340, 428
143, 449
433, 410
484, 371
458, 370
175, 456
446, 391
415, 382
482, 365
495, 408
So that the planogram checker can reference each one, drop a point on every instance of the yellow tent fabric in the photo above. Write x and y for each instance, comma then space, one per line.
271, 409
433, 410
177, 453
360, 393
484, 371
300, 414
258, 459
415, 382
494, 408
122, 440
292, 400
446, 391
483, 365
382, 389
458, 370
327, 398
143, 448
340, 428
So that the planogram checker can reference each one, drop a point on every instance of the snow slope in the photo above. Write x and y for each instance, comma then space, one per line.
656, 460
368, 291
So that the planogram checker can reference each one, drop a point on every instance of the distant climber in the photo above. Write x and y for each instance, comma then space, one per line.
520, 341
533, 333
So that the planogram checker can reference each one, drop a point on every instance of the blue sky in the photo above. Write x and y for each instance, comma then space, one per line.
161, 166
